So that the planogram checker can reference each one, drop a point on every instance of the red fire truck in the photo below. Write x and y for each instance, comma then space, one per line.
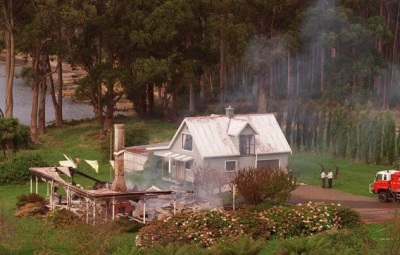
386, 185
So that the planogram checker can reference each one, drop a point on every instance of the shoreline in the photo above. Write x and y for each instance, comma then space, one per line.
70, 77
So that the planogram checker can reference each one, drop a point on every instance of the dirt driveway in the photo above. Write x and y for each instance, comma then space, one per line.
370, 209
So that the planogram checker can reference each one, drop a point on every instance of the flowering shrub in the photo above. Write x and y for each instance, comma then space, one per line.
206, 228
303, 220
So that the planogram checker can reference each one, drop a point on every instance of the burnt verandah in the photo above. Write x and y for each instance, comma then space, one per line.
90, 200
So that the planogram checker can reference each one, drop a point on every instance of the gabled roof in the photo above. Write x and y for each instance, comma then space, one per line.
236, 126
214, 135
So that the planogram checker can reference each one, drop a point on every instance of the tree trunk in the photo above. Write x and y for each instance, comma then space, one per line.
322, 76
394, 50
222, 65
202, 88
108, 118
297, 75
150, 99
262, 94
191, 99
59, 109
34, 112
165, 102
271, 84
56, 99
10, 57
289, 76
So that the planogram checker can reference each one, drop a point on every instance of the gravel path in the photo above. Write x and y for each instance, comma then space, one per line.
370, 209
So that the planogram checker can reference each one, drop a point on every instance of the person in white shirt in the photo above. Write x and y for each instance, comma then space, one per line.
323, 179
330, 176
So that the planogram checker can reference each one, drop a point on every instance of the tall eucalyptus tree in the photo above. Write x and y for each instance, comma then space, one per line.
35, 35
7, 24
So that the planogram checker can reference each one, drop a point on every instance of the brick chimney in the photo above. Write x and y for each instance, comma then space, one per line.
119, 168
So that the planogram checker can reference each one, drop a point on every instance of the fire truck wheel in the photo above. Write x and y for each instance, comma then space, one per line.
383, 196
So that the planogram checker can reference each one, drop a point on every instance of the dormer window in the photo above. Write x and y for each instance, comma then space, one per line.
246, 145
187, 142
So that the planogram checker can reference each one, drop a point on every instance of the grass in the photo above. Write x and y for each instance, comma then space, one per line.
353, 177
83, 140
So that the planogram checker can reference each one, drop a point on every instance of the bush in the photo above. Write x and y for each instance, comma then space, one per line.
172, 249
13, 135
30, 198
267, 204
300, 246
355, 242
30, 205
86, 238
243, 245
15, 170
123, 224
136, 134
348, 217
62, 218
256, 185
208, 228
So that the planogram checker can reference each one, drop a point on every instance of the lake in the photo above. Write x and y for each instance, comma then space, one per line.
23, 102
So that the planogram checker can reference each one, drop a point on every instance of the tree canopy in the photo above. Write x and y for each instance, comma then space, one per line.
173, 57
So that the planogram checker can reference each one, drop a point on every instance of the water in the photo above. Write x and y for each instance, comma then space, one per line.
23, 102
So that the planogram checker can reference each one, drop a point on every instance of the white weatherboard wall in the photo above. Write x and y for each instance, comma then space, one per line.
134, 161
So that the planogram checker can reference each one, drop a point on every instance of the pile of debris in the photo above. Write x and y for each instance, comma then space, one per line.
166, 205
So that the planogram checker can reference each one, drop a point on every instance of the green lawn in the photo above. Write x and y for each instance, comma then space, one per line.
83, 141
352, 177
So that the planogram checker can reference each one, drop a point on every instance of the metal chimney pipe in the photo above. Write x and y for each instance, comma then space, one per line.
230, 112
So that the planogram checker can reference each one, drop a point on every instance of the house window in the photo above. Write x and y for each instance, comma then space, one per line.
187, 142
230, 165
246, 145
188, 165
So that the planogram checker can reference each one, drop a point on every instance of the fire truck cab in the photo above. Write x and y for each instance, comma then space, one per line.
386, 185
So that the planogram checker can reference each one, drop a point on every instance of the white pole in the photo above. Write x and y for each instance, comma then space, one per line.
31, 182
94, 211
175, 203
87, 211
233, 195
51, 194
113, 208
37, 188
68, 198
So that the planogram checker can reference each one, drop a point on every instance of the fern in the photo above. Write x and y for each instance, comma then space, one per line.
242, 246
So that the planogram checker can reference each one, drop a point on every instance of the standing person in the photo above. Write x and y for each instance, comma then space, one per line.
323, 179
330, 176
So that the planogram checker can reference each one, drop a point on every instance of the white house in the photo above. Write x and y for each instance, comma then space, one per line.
224, 142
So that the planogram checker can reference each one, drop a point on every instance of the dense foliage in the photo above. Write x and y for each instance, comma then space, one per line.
173, 58
257, 185
353, 242
136, 134
348, 130
15, 170
207, 228
13, 135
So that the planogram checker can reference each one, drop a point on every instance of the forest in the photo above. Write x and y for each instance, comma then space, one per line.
323, 66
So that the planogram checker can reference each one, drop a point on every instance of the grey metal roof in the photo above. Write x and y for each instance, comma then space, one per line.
213, 135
